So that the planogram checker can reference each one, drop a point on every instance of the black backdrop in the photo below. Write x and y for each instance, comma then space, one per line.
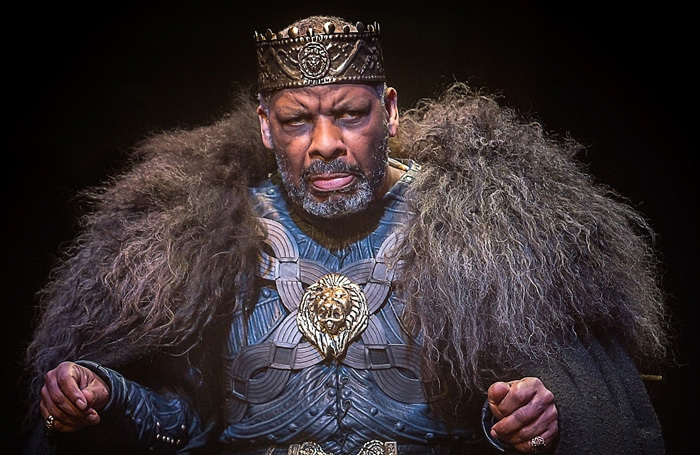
85, 84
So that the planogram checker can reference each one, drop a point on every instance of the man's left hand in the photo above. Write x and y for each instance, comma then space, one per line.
526, 413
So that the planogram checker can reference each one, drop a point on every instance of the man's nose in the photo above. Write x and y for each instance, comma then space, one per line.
327, 140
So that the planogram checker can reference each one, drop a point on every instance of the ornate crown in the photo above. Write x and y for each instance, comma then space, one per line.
312, 58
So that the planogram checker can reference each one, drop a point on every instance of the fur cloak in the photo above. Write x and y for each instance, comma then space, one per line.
513, 250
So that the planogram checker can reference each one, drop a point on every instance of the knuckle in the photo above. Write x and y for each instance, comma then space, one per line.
547, 395
518, 390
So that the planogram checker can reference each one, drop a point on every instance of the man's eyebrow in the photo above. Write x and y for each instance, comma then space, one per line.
290, 111
351, 103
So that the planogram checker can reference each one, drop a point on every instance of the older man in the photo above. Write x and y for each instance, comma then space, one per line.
454, 286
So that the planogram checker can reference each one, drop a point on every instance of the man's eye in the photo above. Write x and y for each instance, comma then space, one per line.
350, 115
293, 121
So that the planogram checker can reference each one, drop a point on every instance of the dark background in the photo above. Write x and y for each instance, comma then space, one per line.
85, 84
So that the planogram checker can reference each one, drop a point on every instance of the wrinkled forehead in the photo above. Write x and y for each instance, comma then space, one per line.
326, 95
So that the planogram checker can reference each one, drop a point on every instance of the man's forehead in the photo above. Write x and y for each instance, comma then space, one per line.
329, 94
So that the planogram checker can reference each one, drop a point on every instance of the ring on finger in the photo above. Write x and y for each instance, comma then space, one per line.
49, 423
537, 444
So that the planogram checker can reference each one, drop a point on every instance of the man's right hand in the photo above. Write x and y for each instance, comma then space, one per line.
72, 395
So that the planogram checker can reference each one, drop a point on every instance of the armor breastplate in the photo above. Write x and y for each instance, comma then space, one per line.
290, 379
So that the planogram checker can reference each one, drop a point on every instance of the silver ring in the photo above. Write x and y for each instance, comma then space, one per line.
48, 423
537, 444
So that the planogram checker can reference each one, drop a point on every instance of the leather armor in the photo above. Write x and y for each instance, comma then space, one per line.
282, 390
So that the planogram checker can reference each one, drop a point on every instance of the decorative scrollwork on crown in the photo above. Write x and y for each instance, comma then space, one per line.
313, 58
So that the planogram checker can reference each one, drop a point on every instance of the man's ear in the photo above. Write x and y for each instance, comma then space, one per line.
265, 128
392, 108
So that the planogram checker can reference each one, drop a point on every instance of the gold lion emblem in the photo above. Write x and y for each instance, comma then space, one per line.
333, 312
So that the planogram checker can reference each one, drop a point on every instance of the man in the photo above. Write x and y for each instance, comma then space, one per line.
473, 293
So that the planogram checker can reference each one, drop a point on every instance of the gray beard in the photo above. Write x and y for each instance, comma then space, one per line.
337, 204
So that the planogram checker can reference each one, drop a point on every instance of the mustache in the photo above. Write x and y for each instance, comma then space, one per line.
328, 167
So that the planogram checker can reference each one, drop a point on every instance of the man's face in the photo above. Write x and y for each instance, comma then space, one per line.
331, 145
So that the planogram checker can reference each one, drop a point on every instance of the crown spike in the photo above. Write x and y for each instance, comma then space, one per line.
346, 29
293, 32
360, 27
268, 34
328, 28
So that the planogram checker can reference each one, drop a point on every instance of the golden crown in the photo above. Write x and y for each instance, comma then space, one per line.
303, 59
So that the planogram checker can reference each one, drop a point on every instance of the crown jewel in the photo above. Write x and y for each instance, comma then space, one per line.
307, 58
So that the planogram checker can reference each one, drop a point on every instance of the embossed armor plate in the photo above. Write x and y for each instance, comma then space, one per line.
333, 312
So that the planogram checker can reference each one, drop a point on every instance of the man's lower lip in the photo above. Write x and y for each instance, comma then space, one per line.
332, 184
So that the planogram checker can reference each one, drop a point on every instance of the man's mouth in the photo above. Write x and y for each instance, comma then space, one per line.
331, 182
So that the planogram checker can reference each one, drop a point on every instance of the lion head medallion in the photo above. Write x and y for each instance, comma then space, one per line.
333, 312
